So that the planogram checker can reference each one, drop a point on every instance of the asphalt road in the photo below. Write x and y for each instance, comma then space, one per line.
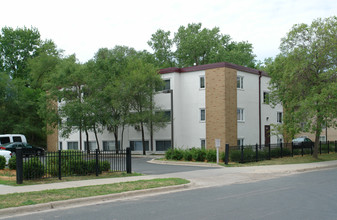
139, 165
310, 195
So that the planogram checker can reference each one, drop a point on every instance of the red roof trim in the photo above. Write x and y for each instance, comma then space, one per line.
211, 66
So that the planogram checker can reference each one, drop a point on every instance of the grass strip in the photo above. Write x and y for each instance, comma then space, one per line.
12, 180
296, 159
32, 198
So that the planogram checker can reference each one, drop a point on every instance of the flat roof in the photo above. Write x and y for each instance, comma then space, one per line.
212, 66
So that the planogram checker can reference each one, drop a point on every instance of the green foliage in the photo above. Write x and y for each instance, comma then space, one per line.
211, 155
187, 155
2, 162
196, 46
12, 163
198, 154
168, 154
33, 169
303, 78
235, 155
177, 154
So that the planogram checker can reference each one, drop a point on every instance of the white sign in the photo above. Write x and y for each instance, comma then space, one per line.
217, 143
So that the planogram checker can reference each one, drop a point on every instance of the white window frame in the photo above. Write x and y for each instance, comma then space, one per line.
279, 117
72, 142
241, 141
264, 97
92, 145
240, 114
202, 143
239, 82
202, 82
201, 118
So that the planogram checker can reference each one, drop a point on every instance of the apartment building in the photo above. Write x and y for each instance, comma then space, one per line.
206, 102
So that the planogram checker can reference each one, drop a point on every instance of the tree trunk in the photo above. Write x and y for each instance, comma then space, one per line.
116, 137
87, 140
143, 138
96, 138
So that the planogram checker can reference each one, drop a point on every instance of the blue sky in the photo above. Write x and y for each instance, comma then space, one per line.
82, 27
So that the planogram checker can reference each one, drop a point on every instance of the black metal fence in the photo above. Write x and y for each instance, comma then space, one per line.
71, 163
254, 153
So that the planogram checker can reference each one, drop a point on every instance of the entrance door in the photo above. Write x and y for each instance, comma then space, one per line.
266, 134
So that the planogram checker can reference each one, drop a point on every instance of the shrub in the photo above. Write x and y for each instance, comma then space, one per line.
168, 154
198, 154
105, 166
177, 154
211, 155
12, 163
2, 162
234, 155
187, 155
33, 169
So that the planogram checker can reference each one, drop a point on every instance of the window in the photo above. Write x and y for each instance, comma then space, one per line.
110, 145
240, 142
166, 115
202, 143
166, 86
92, 145
266, 97
202, 115
202, 82
4, 140
17, 139
163, 145
279, 117
239, 82
72, 145
138, 145
240, 114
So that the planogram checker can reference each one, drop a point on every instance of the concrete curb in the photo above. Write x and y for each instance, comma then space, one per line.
183, 163
10, 212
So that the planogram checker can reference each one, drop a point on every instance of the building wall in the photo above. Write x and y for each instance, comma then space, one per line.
220, 98
221, 107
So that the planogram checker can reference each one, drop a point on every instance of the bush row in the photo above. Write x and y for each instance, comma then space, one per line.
193, 154
196, 154
73, 164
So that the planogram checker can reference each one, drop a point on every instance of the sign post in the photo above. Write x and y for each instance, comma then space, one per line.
217, 145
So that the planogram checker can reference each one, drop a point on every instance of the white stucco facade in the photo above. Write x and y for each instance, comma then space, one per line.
188, 104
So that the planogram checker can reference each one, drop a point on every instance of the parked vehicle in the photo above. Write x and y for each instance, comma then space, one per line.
26, 148
10, 138
302, 141
7, 154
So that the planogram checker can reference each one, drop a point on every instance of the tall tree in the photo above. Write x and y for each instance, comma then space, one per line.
142, 81
196, 46
162, 46
16, 47
304, 77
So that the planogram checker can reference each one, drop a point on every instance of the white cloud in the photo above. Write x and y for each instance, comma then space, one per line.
82, 27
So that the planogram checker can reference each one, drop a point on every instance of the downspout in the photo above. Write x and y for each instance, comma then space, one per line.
260, 75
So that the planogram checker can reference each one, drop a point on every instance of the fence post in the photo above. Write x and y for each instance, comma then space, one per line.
281, 149
128, 160
242, 154
328, 147
302, 148
269, 151
292, 149
19, 165
226, 154
256, 153
97, 166
60, 165
335, 146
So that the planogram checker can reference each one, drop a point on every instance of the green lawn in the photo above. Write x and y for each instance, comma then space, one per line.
31, 198
288, 160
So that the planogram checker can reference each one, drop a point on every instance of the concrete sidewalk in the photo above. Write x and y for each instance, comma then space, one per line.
199, 179
193, 176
